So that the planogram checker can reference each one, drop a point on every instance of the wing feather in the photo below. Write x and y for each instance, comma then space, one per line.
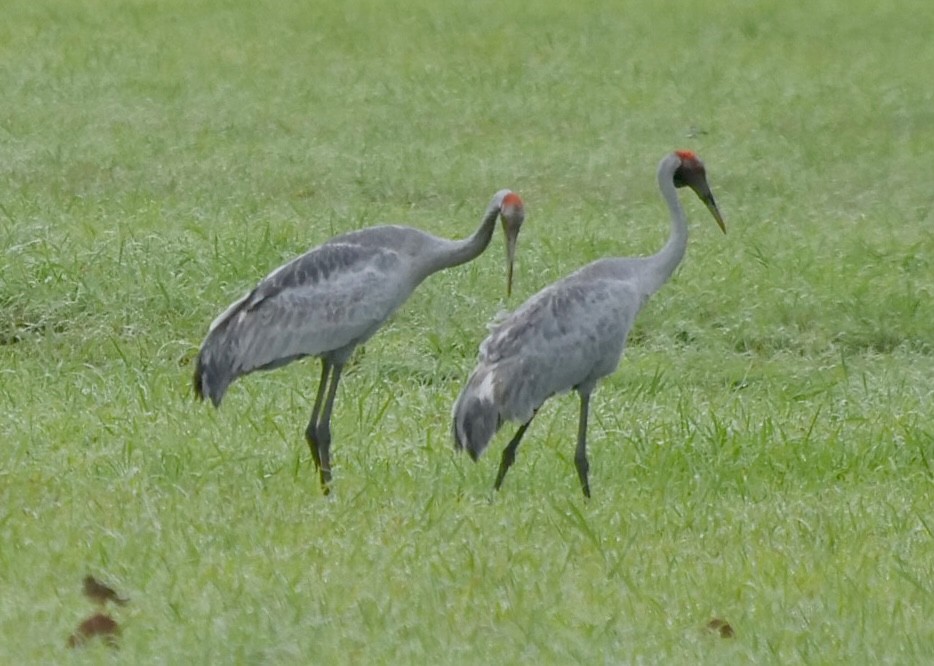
331, 298
568, 335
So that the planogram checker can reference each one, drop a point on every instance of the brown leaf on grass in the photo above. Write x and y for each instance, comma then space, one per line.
98, 624
99, 593
721, 627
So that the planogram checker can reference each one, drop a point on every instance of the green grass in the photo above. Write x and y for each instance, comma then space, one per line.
765, 454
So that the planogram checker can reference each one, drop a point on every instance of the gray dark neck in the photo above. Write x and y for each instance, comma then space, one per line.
662, 264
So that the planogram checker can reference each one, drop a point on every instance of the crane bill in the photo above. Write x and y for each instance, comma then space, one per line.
712, 207
512, 215
511, 237
704, 194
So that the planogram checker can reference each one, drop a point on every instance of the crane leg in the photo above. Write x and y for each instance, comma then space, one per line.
323, 431
580, 456
311, 430
509, 453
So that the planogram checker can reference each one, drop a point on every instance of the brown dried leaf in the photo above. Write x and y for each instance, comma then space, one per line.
98, 624
721, 627
98, 592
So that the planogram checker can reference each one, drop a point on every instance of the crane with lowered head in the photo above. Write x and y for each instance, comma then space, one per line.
331, 299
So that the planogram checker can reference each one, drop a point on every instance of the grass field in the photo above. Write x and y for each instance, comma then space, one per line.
764, 455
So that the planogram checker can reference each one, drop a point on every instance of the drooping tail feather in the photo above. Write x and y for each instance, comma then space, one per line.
217, 367
210, 379
476, 415
198, 380
208, 382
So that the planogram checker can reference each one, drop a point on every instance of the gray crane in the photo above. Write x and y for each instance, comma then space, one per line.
572, 333
331, 299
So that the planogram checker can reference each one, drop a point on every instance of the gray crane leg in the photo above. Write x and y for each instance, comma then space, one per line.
323, 431
580, 457
311, 430
509, 453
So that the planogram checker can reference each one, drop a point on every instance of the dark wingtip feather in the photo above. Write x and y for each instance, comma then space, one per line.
202, 389
210, 381
475, 423
198, 382
458, 444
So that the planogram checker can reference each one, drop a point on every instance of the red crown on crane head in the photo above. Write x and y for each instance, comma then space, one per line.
512, 199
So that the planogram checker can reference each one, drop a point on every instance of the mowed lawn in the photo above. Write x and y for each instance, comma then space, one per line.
764, 455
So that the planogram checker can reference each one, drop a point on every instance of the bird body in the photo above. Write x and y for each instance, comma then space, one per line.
329, 300
570, 334
323, 303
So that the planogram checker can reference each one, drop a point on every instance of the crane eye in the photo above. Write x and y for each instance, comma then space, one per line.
688, 173
681, 178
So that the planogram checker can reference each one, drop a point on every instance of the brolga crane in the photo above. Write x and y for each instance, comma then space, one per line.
331, 299
571, 333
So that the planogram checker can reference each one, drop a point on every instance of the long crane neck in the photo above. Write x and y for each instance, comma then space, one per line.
663, 264
456, 252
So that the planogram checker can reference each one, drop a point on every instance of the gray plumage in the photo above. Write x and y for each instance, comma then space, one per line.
331, 299
570, 334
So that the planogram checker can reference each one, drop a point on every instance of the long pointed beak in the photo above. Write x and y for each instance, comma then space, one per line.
705, 195
512, 235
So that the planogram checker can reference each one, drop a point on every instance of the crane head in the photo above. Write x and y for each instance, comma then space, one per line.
691, 173
512, 213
